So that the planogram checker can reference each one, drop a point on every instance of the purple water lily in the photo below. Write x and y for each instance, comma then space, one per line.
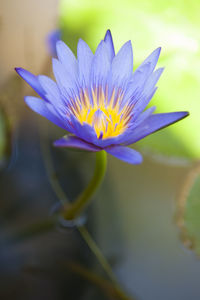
98, 98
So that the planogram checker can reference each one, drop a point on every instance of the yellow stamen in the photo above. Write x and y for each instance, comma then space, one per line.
104, 116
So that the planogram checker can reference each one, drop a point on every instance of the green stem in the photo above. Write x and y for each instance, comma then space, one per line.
75, 209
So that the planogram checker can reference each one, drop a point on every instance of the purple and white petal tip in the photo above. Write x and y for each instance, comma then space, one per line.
31, 79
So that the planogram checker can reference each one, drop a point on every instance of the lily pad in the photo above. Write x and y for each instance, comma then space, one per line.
188, 214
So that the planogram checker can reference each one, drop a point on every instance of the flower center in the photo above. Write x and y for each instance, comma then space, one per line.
108, 117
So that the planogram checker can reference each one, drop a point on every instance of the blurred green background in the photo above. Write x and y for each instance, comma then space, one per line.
173, 25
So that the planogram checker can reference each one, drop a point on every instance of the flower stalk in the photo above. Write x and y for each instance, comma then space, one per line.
75, 209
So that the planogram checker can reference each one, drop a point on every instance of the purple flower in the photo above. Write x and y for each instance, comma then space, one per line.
52, 39
98, 98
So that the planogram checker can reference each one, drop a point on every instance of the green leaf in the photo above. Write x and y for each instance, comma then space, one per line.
188, 213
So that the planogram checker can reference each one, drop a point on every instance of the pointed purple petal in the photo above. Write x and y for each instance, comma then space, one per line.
152, 80
85, 56
40, 106
140, 76
109, 43
136, 83
65, 82
141, 104
122, 64
152, 58
67, 58
84, 131
154, 123
51, 90
147, 93
53, 96
71, 141
31, 79
100, 64
126, 154
144, 115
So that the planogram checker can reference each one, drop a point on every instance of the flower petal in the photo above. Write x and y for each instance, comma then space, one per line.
152, 58
52, 39
152, 80
140, 76
143, 116
40, 107
65, 82
67, 58
53, 95
126, 154
109, 43
141, 104
84, 131
71, 141
147, 93
154, 123
136, 83
100, 65
122, 64
85, 57
31, 79
51, 89
143, 81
